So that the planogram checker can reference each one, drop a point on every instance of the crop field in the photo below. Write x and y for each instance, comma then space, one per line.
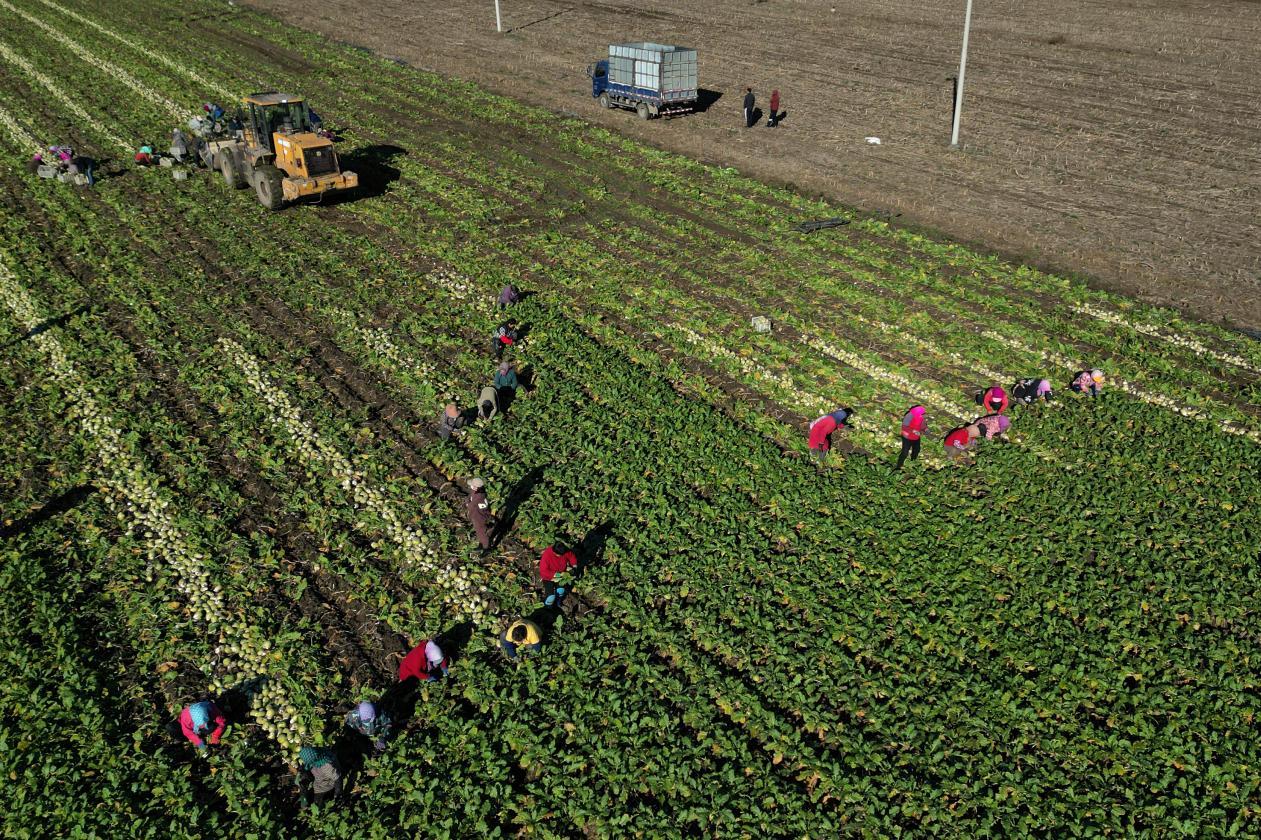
222, 476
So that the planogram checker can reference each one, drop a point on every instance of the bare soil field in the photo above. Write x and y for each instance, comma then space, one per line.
1117, 140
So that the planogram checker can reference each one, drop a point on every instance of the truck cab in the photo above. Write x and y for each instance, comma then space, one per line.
599, 73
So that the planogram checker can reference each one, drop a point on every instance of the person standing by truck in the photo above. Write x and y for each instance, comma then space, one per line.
749, 102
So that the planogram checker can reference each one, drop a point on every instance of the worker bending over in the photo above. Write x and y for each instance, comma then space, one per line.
425, 662
522, 637
450, 422
318, 776
1087, 382
821, 431
993, 425
993, 398
370, 722
488, 403
1030, 390
195, 721
913, 426
961, 439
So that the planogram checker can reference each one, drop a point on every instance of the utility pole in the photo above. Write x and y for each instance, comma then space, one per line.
963, 63
499, 26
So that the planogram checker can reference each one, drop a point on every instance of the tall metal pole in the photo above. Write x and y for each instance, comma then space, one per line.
963, 63
499, 26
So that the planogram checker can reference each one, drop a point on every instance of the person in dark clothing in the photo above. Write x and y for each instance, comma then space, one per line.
1031, 390
33, 165
478, 507
505, 336
85, 166
749, 102
450, 422
772, 119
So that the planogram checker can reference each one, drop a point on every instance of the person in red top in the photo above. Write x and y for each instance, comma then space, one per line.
556, 558
960, 440
772, 119
993, 398
913, 426
821, 431
195, 723
424, 662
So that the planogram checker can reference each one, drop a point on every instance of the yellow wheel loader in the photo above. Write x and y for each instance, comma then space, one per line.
272, 148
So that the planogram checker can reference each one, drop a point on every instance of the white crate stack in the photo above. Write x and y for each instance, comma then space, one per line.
661, 68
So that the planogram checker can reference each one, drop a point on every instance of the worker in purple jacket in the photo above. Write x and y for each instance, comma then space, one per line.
508, 296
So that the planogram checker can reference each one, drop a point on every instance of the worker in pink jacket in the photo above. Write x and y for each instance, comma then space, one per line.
821, 431
195, 723
913, 426
993, 399
1087, 382
993, 425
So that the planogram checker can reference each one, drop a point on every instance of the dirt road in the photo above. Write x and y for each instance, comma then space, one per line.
1121, 140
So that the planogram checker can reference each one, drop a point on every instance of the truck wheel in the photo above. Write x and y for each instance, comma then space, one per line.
604, 100
267, 186
231, 175
642, 110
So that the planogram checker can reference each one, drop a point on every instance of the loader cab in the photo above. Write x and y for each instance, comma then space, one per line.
599, 73
264, 115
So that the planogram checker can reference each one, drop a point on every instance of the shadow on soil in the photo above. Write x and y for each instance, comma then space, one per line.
705, 99
373, 166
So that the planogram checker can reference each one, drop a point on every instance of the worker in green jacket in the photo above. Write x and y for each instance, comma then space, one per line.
318, 776
505, 384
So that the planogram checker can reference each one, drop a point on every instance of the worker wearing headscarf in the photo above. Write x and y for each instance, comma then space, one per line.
993, 425
196, 720
370, 722
1088, 382
993, 399
1031, 390
424, 662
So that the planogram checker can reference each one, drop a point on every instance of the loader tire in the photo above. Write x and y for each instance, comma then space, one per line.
604, 100
642, 110
230, 172
267, 186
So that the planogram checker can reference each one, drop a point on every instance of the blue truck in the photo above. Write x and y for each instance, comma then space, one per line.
650, 79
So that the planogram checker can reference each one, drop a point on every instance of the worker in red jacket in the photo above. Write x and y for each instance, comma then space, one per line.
821, 431
993, 398
556, 558
913, 426
960, 440
424, 662
195, 721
